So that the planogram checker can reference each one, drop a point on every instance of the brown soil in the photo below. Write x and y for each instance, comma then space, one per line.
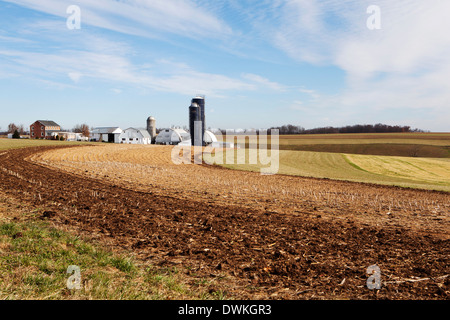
260, 253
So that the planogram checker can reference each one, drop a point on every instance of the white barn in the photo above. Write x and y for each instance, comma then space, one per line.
172, 136
106, 134
135, 136
181, 137
209, 137
70, 136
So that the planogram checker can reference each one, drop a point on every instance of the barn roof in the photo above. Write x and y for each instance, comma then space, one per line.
48, 123
210, 137
172, 135
106, 130
143, 132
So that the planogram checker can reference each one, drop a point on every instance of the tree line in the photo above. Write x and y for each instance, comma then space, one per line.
357, 128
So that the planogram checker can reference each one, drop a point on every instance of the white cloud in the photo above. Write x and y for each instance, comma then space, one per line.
90, 55
403, 66
75, 76
312, 93
118, 69
264, 82
139, 17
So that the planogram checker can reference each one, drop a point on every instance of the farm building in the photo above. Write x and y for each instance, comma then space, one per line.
106, 134
209, 137
135, 136
70, 136
172, 136
43, 129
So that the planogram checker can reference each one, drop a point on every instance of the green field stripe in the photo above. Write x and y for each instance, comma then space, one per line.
419, 168
354, 165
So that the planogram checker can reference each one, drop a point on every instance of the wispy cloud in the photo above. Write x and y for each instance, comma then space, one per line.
79, 65
405, 66
139, 17
264, 82
93, 62
402, 66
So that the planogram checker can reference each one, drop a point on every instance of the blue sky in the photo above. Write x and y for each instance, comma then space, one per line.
260, 63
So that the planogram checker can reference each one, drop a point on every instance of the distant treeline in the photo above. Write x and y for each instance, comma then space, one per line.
358, 128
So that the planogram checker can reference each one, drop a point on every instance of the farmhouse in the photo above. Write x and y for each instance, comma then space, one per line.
106, 134
135, 136
43, 129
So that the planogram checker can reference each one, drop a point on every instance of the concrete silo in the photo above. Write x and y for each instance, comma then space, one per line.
151, 128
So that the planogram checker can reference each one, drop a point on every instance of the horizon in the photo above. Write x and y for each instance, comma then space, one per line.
307, 63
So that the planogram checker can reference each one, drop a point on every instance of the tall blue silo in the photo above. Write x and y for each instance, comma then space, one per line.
197, 113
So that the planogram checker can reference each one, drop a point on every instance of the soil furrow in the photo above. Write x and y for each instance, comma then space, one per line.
261, 254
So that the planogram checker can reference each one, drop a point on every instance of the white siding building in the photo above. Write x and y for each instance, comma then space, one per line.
106, 134
172, 136
70, 136
135, 136
209, 137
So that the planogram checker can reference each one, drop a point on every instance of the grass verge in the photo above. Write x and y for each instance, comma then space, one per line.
35, 257
6, 144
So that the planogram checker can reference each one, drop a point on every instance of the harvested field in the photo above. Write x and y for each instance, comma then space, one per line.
426, 145
436, 139
410, 172
278, 237
149, 168
435, 171
6, 144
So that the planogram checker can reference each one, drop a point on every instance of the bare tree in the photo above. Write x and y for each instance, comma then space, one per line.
12, 127
21, 129
83, 129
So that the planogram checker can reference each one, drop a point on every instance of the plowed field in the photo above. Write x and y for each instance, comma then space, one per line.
266, 237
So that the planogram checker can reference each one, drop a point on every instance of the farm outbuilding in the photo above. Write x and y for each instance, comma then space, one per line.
209, 137
135, 136
70, 136
172, 136
106, 134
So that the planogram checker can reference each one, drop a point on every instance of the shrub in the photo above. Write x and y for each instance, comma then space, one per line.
16, 134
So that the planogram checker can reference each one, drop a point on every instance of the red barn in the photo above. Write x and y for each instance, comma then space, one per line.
43, 129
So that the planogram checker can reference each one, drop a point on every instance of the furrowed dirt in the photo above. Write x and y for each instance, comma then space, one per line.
258, 253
